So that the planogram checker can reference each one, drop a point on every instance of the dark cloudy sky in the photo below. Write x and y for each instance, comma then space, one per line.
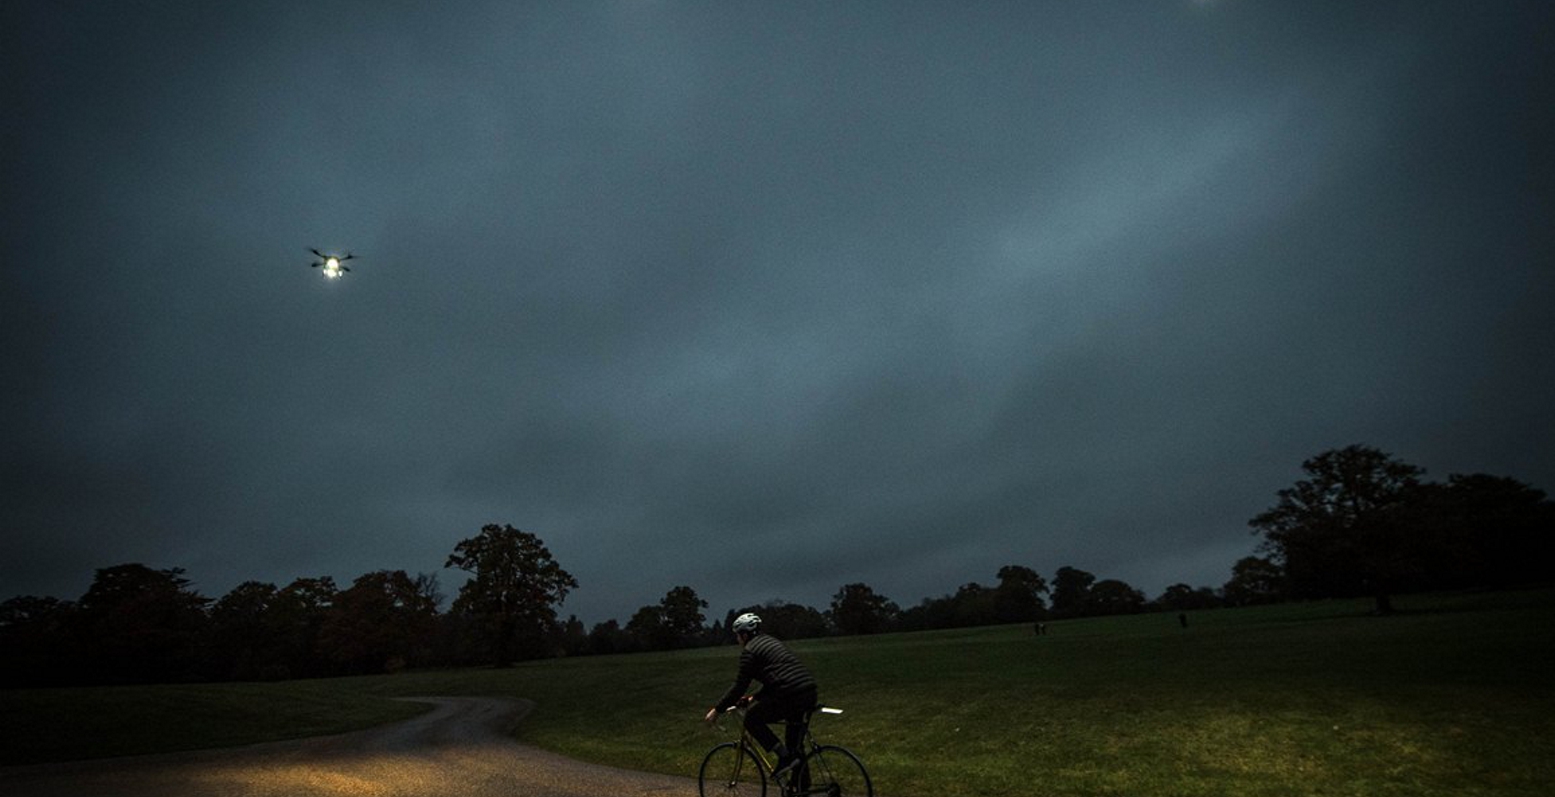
759, 298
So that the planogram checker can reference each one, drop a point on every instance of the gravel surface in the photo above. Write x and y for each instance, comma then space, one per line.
459, 749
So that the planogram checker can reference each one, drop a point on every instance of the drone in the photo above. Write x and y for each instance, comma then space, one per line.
333, 265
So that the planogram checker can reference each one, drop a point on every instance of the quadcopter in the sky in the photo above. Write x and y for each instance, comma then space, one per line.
333, 265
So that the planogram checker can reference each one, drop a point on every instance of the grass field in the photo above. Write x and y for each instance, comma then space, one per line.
1453, 696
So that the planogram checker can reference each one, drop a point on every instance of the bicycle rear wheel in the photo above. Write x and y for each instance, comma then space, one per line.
835, 772
731, 770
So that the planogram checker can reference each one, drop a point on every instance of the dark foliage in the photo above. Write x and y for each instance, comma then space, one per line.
512, 598
1362, 523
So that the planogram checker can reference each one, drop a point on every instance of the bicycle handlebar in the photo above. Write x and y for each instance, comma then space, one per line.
816, 710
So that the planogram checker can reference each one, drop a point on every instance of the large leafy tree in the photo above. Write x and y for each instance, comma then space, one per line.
514, 590
972, 605
138, 624
247, 644
297, 615
858, 609
1071, 591
675, 622
781, 619
1495, 531
1347, 528
681, 609
647, 630
1254, 579
608, 637
35, 642
380, 623
1112, 596
1018, 598
1184, 598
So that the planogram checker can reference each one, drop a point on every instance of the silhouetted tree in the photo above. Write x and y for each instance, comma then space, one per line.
858, 609
608, 637
247, 643
674, 623
1018, 598
781, 619
297, 613
574, 640
140, 625
1111, 596
36, 646
457, 641
683, 618
1183, 598
380, 623
648, 631
1254, 579
1346, 528
1071, 591
972, 605
515, 589
1495, 531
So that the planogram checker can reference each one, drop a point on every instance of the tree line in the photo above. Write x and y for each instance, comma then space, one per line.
1360, 523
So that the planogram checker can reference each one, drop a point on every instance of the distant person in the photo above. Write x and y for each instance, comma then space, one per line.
788, 691
1182, 619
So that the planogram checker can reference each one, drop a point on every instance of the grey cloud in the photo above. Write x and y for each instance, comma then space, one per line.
773, 299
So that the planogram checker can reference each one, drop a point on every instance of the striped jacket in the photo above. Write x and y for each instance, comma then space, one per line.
769, 661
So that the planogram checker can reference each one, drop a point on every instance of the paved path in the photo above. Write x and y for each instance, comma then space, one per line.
459, 749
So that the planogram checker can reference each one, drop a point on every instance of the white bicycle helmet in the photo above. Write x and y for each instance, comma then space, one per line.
747, 624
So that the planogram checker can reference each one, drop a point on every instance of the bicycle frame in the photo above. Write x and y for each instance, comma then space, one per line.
748, 742
796, 778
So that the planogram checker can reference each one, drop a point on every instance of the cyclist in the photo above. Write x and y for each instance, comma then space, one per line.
787, 691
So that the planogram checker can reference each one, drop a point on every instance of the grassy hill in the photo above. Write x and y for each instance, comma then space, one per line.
1451, 697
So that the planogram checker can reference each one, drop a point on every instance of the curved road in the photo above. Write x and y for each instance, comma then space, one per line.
459, 749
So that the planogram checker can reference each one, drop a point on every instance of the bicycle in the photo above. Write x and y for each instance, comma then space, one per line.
742, 768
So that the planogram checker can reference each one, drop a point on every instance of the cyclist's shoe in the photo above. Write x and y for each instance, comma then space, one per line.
785, 766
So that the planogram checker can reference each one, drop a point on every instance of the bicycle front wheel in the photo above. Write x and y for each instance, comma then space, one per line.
835, 772
731, 770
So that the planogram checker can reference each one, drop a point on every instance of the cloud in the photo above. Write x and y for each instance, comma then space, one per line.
754, 301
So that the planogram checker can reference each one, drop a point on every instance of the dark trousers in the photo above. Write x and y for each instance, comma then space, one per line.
781, 708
